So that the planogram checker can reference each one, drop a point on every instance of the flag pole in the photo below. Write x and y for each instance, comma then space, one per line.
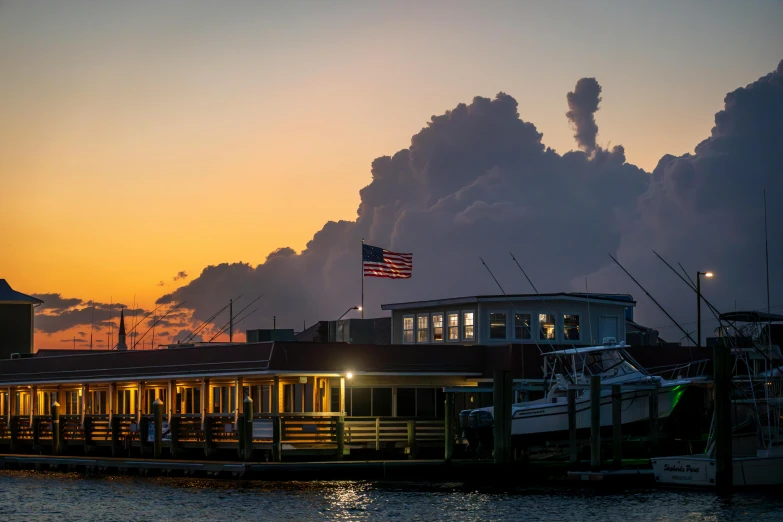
362, 267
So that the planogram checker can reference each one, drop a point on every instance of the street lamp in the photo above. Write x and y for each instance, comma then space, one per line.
351, 308
698, 304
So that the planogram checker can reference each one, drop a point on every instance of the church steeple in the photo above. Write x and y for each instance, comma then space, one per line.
121, 336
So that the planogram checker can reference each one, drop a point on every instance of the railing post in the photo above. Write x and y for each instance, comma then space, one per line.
207, 422
340, 437
55, 428
617, 426
247, 411
116, 444
412, 450
377, 433
174, 424
595, 422
14, 428
572, 446
277, 436
157, 412
449, 426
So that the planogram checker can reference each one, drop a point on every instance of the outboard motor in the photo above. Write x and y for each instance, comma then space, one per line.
467, 431
482, 422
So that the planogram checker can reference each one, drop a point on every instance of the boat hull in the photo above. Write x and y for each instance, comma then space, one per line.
553, 417
699, 471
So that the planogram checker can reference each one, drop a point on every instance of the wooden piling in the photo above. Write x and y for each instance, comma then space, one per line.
654, 433
56, 428
595, 422
573, 449
208, 444
617, 426
116, 443
501, 399
412, 449
87, 433
340, 435
449, 428
722, 400
14, 433
36, 433
247, 412
277, 439
157, 412
144, 429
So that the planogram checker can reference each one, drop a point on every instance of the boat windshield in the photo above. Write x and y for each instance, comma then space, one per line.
607, 362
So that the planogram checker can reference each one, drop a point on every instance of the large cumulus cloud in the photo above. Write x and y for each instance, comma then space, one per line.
476, 181
706, 211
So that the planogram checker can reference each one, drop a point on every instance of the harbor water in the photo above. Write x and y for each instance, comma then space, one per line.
31, 496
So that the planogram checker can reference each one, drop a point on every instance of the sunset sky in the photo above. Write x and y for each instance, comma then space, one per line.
143, 139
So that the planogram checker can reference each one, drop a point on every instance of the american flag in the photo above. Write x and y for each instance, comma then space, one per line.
379, 262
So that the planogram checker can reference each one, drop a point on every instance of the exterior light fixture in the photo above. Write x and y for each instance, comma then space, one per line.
351, 308
698, 304
349, 375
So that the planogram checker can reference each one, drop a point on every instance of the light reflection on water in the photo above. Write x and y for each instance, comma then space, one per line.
34, 496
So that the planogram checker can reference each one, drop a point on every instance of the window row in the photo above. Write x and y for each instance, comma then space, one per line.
391, 402
437, 327
523, 327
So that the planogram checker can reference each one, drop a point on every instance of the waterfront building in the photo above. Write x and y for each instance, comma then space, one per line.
561, 319
16, 321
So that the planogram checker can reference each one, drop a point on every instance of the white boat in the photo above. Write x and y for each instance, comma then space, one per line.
575, 366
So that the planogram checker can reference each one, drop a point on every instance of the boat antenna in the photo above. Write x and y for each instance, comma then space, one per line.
541, 298
92, 322
236, 322
222, 328
205, 323
653, 300
766, 250
155, 323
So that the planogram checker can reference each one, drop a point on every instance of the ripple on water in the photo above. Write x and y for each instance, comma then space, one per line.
33, 496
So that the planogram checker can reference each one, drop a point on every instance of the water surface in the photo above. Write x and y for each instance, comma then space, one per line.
33, 497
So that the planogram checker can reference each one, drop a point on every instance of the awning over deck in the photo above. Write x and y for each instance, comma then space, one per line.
271, 358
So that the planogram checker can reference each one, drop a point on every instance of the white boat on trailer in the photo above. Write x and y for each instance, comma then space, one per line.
575, 366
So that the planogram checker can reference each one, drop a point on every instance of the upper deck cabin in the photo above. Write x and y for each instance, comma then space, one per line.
563, 319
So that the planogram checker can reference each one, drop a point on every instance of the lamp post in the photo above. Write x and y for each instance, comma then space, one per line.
351, 308
698, 304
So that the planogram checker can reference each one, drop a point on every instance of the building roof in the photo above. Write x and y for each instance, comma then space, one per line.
751, 317
269, 358
10, 296
619, 299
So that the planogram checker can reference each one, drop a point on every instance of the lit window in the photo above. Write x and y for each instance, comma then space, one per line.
571, 327
453, 327
497, 325
423, 330
467, 326
407, 329
522, 326
546, 325
437, 327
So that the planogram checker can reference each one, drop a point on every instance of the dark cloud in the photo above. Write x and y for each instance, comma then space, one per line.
72, 341
56, 302
180, 275
51, 320
478, 180
582, 106
161, 283
706, 211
